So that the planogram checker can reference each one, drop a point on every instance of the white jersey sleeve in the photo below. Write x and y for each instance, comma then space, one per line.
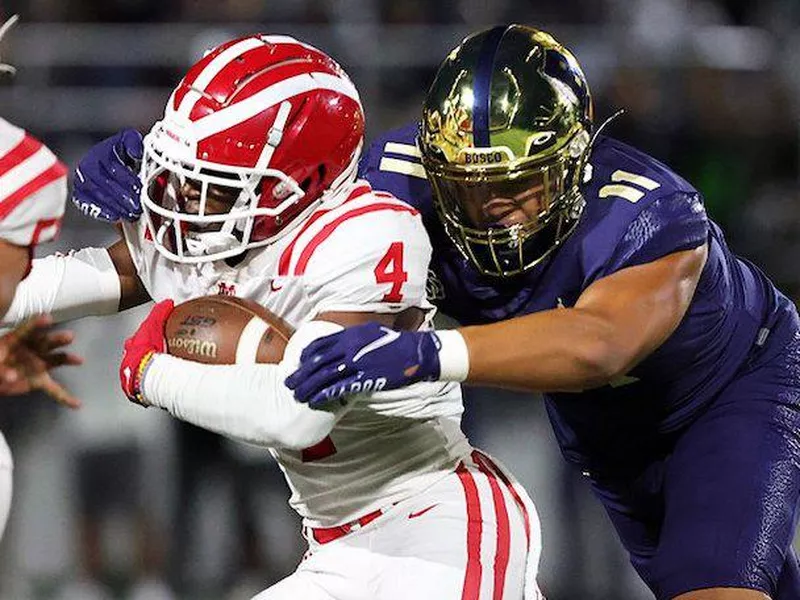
33, 188
370, 254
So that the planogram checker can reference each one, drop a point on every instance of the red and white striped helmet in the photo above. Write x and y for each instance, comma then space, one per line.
270, 116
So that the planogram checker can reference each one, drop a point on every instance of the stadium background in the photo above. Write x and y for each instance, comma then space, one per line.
116, 501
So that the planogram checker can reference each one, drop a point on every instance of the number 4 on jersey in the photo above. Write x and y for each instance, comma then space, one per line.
390, 270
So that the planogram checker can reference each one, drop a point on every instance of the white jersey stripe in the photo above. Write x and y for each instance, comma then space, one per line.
404, 149
404, 167
247, 348
26, 171
274, 94
10, 136
212, 69
317, 226
640, 180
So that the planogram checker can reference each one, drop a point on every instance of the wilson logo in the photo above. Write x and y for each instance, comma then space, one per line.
193, 346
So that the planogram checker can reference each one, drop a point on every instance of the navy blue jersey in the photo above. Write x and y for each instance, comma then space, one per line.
637, 210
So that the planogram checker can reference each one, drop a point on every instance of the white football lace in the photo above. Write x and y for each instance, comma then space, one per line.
6, 68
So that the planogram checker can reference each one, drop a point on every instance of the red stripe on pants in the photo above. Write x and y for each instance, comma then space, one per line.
522, 507
503, 528
472, 577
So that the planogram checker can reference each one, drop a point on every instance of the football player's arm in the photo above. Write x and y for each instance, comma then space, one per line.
617, 321
15, 260
251, 403
87, 282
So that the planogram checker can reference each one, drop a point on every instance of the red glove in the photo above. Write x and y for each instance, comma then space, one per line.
140, 349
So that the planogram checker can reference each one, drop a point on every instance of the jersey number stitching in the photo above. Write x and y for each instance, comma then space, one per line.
390, 270
626, 186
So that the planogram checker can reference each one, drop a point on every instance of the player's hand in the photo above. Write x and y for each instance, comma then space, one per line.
28, 353
140, 349
364, 358
106, 184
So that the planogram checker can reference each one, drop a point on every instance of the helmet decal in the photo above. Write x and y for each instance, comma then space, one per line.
482, 86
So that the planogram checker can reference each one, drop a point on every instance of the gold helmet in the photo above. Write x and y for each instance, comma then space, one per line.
505, 138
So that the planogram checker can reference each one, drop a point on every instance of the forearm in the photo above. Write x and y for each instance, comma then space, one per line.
14, 260
554, 350
246, 402
71, 286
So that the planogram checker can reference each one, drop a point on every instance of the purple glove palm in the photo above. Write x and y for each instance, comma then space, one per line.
364, 358
106, 187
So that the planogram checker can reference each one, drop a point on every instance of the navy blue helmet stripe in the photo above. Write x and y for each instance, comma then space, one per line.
482, 85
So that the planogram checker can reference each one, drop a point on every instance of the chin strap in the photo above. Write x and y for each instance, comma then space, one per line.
6, 68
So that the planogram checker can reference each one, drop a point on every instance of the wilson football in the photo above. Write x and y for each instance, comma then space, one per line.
225, 330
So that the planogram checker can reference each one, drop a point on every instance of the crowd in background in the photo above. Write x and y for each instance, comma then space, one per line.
118, 501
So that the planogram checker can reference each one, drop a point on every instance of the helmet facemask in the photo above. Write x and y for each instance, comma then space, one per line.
187, 229
507, 220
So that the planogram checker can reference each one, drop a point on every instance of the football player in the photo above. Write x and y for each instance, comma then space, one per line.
33, 190
585, 269
248, 187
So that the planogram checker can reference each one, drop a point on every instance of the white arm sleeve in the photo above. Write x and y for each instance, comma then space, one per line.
78, 284
246, 402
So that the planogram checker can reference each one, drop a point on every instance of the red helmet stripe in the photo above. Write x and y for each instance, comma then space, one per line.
274, 94
212, 69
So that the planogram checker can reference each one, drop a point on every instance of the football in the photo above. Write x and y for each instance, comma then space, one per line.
225, 330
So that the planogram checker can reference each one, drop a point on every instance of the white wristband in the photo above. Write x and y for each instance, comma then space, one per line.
453, 356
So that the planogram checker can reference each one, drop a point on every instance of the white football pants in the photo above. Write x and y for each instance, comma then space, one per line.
6, 468
473, 535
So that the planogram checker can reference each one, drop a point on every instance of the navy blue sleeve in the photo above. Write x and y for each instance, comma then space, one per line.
669, 224
392, 164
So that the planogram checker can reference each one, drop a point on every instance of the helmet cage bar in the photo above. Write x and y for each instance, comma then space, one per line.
498, 249
490, 249
240, 218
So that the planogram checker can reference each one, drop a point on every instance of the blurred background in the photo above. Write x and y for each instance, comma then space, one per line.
115, 501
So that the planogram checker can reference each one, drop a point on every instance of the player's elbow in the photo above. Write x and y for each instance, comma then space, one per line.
297, 433
601, 361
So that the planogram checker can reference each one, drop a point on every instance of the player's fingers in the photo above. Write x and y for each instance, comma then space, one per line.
162, 310
8, 375
312, 367
330, 394
94, 194
57, 339
312, 386
60, 359
28, 329
57, 392
318, 347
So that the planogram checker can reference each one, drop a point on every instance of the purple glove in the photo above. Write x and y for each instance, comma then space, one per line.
106, 186
364, 358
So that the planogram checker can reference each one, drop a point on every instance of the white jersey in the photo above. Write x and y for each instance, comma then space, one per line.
33, 188
362, 251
